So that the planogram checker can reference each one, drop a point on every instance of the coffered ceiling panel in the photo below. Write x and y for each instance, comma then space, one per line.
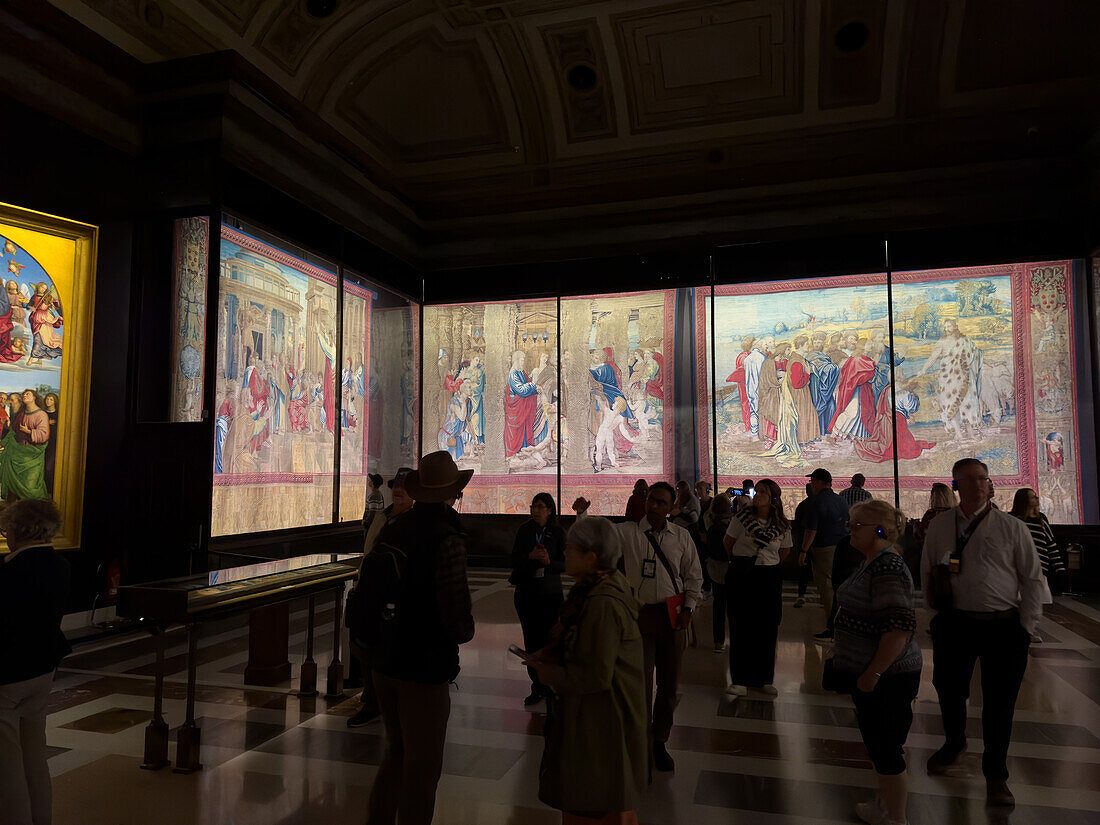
427, 98
711, 63
580, 75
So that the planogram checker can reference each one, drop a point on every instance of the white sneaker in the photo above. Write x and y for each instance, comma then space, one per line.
736, 690
1036, 639
720, 648
873, 811
770, 690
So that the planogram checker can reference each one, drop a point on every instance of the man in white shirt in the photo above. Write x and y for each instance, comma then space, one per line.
656, 577
996, 590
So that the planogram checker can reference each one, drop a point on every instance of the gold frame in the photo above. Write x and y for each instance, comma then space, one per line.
75, 364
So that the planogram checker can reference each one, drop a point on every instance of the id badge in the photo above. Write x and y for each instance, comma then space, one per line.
649, 568
540, 572
954, 564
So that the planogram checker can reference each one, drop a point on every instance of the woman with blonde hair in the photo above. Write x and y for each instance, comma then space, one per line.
758, 539
877, 652
940, 499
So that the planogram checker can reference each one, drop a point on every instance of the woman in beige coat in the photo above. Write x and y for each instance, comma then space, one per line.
595, 762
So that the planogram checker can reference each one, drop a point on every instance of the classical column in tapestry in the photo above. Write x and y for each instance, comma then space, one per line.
190, 251
618, 352
492, 401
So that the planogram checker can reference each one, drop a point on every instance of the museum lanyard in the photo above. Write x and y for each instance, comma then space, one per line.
878, 555
538, 536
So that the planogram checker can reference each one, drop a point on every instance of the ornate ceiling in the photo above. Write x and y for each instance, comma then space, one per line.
477, 110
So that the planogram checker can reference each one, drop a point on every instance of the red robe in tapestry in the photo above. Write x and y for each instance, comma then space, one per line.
880, 446
656, 387
857, 370
738, 377
520, 412
261, 428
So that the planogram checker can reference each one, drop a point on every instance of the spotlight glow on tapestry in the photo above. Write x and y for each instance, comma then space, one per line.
276, 389
982, 361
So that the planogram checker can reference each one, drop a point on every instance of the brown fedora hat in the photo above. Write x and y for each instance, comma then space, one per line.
437, 478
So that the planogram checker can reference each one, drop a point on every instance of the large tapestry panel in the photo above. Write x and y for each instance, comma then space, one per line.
617, 395
45, 347
492, 399
276, 389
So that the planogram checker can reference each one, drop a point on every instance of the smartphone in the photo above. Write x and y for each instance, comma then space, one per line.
517, 651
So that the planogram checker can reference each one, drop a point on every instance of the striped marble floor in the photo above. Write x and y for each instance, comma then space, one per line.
270, 757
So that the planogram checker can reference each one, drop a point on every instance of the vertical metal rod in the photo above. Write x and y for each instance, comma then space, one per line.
156, 733
561, 504
893, 358
336, 667
713, 379
188, 737
307, 678
338, 372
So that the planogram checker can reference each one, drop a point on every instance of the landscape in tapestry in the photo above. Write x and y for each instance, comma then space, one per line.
32, 327
803, 378
276, 389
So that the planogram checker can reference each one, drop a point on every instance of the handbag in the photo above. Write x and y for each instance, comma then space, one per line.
835, 680
674, 604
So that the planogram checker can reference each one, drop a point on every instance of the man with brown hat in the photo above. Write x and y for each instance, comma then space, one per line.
428, 617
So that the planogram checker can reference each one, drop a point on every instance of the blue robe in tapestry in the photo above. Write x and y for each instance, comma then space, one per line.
882, 372
477, 405
605, 377
826, 375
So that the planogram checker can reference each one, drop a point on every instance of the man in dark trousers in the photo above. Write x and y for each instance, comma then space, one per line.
994, 605
660, 561
826, 525
412, 675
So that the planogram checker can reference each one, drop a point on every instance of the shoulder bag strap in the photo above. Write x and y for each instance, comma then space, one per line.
660, 554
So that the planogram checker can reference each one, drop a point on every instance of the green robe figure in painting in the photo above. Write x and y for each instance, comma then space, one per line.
23, 457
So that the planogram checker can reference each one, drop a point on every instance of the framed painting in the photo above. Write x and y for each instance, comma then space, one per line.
46, 312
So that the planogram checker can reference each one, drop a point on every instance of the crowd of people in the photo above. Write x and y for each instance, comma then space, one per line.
606, 655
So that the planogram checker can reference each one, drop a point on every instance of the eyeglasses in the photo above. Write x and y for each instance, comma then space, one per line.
852, 525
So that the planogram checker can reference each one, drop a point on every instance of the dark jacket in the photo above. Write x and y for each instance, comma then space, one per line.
34, 585
435, 608
524, 570
635, 507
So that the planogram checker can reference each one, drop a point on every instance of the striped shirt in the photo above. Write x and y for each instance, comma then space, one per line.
876, 599
1050, 558
854, 495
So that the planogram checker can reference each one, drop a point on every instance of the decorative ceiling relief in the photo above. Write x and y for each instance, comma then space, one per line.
709, 64
580, 72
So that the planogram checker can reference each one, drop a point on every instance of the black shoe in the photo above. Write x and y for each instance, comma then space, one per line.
944, 758
364, 717
533, 699
662, 761
997, 793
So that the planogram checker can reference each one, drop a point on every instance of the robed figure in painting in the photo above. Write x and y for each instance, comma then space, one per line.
258, 389
52, 413
959, 379
769, 391
524, 422
880, 446
607, 376
8, 352
45, 322
453, 434
798, 376
786, 449
328, 389
23, 457
655, 375
739, 378
823, 382
477, 399
855, 399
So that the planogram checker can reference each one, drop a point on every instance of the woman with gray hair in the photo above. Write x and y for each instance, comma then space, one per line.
595, 763
34, 585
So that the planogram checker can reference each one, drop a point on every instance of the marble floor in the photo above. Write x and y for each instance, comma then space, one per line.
270, 757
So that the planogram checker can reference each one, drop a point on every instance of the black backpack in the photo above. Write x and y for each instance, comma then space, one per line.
374, 605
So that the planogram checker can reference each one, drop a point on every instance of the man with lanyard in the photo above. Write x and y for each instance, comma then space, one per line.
994, 604
660, 561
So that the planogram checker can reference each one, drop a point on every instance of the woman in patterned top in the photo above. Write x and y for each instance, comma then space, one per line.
876, 646
1025, 506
